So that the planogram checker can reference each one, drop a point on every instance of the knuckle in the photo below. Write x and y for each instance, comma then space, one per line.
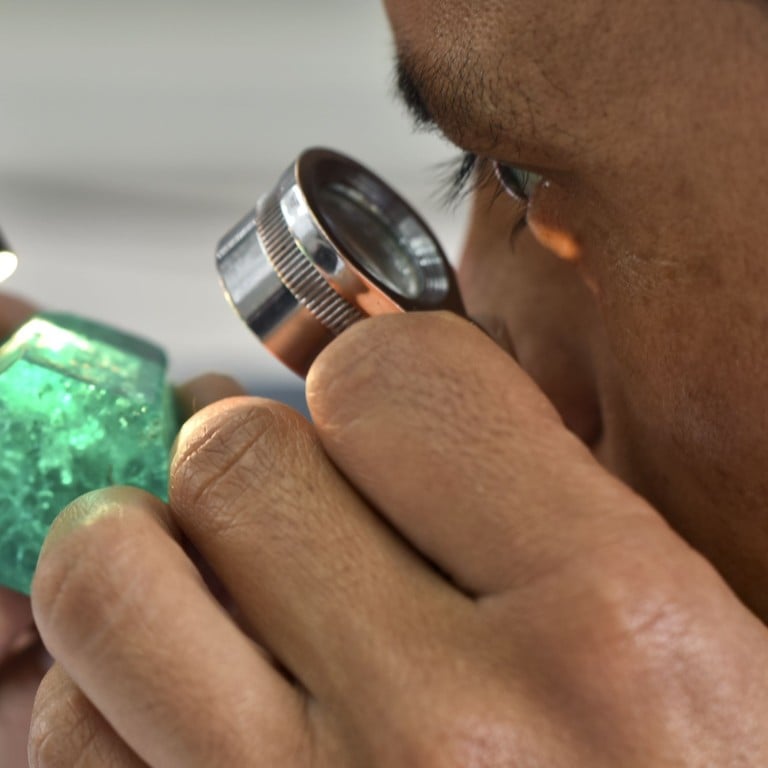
63, 728
229, 451
468, 735
638, 613
643, 606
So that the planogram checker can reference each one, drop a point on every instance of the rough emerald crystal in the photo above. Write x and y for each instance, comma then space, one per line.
82, 406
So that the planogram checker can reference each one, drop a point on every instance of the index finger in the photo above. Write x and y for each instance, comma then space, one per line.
456, 446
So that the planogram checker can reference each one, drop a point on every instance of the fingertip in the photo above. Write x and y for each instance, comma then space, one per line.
349, 365
64, 548
89, 509
385, 354
92, 556
204, 390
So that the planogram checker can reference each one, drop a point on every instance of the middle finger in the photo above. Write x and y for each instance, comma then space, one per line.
328, 587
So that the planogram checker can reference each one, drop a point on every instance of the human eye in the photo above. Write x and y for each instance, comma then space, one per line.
470, 172
516, 182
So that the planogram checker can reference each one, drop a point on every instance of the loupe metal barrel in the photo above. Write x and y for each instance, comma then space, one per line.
330, 245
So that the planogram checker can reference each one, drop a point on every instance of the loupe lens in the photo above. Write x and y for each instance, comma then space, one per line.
364, 232
330, 245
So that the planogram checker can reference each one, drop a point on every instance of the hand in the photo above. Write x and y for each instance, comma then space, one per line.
23, 661
437, 574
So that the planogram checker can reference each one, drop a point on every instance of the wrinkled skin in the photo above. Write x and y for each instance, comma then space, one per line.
466, 559
23, 660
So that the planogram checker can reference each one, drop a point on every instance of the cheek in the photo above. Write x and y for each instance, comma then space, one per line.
686, 361
672, 329
536, 306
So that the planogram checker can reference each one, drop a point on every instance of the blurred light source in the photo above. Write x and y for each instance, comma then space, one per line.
8, 259
8, 263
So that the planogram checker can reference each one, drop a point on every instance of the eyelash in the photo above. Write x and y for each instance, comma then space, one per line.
471, 172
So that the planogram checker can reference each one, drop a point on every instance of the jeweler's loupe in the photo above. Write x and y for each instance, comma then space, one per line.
330, 245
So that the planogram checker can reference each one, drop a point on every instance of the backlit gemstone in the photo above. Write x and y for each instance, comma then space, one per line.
82, 406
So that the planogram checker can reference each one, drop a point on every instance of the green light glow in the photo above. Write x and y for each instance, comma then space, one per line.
82, 406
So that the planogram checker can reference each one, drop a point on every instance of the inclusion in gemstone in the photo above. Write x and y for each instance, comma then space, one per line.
82, 406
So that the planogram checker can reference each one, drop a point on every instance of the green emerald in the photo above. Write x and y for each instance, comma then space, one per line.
82, 406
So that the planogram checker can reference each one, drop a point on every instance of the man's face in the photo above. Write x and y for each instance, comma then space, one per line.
648, 123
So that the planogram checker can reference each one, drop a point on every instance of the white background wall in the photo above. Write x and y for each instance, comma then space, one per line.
133, 133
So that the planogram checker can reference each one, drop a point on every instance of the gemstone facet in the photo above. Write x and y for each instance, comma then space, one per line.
82, 406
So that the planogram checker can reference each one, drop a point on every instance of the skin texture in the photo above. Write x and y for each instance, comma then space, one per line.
23, 660
475, 558
651, 153
493, 597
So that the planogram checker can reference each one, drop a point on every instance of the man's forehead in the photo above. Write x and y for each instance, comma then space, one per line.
510, 82
478, 72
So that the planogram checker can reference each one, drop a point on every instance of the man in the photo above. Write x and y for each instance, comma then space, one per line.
470, 560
